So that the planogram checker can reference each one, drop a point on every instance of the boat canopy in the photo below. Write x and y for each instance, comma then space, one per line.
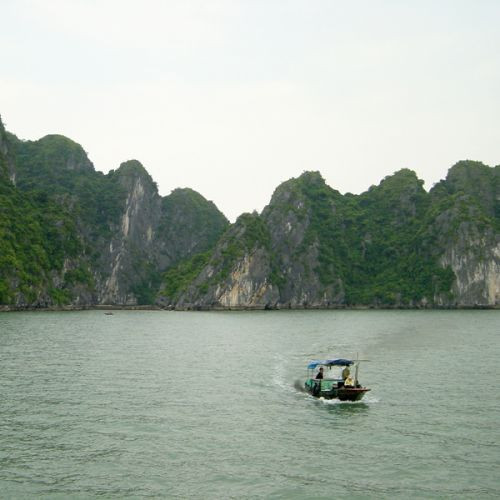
329, 362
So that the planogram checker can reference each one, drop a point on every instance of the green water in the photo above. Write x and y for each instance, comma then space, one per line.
203, 405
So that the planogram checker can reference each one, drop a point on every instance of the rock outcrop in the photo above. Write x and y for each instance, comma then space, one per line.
6, 158
394, 246
100, 239
72, 236
467, 232
132, 244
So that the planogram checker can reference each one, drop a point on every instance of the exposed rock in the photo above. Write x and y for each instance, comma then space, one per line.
119, 234
74, 237
473, 253
6, 157
393, 246
132, 243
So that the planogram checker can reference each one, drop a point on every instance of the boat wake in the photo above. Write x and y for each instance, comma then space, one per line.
333, 402
298, 385
279, 378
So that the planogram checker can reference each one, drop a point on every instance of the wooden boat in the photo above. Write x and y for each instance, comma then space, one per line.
337, 382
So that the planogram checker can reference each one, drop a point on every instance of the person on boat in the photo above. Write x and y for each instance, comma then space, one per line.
345, 373
349, 381
319, 375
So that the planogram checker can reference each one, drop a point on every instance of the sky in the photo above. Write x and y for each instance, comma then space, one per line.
233, 97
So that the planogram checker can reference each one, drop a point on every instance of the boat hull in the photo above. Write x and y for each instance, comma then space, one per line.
328, 390
354, 394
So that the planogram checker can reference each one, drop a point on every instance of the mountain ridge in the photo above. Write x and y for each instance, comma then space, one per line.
314, 248
94, 237
71, 236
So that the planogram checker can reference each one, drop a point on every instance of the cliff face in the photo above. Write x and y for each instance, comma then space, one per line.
188, 225
393, 246
467, 231
6, 159
96, 239
37, 239
124, 262
474, 257
296, 242
72, 236
238, 271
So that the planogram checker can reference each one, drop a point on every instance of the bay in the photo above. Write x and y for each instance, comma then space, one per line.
204, 405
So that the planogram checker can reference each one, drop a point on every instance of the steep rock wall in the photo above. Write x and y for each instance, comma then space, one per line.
94, 238
475, 261
393, 246
72, 236
466, 233
133, 242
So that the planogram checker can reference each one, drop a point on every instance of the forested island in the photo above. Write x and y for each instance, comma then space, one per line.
73, 237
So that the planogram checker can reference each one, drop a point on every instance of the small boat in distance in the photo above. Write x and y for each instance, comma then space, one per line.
334, 380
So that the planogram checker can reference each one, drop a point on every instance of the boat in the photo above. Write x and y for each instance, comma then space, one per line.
337, 382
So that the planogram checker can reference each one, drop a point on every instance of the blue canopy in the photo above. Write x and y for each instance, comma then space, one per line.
329, 362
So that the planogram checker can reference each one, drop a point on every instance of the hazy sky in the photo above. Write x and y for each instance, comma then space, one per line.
232, 97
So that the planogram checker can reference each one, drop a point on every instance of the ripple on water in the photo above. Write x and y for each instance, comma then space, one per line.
207, 405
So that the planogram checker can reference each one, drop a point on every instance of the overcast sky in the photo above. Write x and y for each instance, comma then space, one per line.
232, 97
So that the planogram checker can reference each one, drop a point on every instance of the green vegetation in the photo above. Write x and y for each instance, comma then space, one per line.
249, 232
385, 244
372, 242
382, 247
58, 169
189, 220
58, 203
477, 186
60, 219
36, 236
177, 279
146, 289
325, 227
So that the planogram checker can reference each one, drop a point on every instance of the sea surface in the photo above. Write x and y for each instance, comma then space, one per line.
205, 405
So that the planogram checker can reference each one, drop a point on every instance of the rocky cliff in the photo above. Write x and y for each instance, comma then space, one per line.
72, 236
393, 246
7, 169
466, 230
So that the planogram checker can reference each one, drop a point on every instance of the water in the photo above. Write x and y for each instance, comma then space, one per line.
203, 405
